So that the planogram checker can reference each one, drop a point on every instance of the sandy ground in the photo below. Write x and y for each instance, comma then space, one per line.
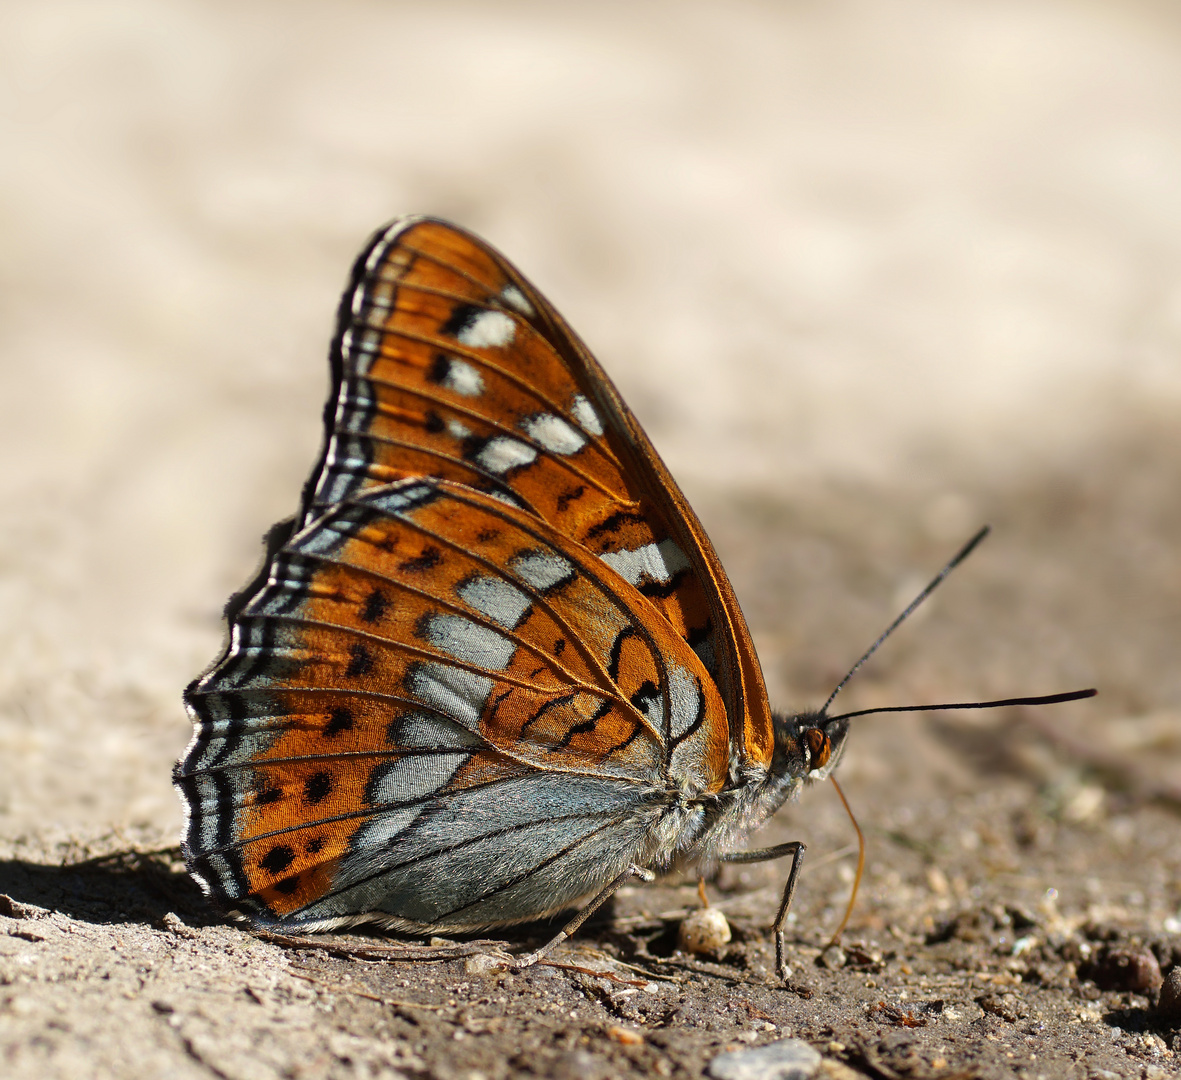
870, 274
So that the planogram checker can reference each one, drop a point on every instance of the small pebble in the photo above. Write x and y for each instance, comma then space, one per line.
483, 964
833, 957
13, 909
704, 931
1130, 969
831, 1069
626, 1036
1169, 1005
787, 1059
1006, 1006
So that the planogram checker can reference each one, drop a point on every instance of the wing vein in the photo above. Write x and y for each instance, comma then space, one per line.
495, 674
373, 811
638, 624
471, 614
537, 597
561, 459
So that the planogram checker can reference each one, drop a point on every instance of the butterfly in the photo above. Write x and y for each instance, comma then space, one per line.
493, 667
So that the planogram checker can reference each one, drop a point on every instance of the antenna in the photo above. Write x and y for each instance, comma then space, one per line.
1047, 699
960, 556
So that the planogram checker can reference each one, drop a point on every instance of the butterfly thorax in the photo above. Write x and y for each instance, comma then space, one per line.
807, 748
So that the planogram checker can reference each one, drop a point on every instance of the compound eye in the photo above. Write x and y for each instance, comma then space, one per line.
820, 749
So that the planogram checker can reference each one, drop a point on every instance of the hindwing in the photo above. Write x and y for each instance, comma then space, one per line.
425, 669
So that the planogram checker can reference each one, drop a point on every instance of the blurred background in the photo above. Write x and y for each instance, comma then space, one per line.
869, 274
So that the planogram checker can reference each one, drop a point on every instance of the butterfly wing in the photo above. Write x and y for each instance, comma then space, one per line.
448, 363
424, 671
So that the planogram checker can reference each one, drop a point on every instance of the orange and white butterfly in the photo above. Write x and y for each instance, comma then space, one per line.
493, 666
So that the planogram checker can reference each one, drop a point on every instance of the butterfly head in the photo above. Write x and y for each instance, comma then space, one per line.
808, 745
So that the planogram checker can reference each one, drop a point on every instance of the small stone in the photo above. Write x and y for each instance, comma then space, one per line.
1005, 1006
1169, 1005
1130, 969
833, 957
704, 931
20, 1006
838, 1070
14, 909
626, 1036
174, 924
787, 1059
482, 964
937, 881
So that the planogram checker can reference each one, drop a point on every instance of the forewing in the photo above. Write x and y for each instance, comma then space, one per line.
447, 363
424, 669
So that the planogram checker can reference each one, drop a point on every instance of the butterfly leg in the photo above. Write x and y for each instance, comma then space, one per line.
796, 849
586, 912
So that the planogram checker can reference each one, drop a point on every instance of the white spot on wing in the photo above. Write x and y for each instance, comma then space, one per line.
506, 498
685, 695
584, 412
202, 884
553, 433
496, 598
470, 642
652, 707
225, 874
352, 412
463, 378
458, 430
399, 499
411, 778
378, 832
431, 732
452, 691
488, 330
513, 296
415, 776
657, 562
206, 791
541, 569
502, 454
369, 344
319, 538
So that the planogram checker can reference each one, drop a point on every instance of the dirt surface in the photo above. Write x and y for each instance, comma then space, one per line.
871, 275
1023, 881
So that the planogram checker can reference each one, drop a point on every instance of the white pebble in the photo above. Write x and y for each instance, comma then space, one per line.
704, 931
788, 1059
483, 964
